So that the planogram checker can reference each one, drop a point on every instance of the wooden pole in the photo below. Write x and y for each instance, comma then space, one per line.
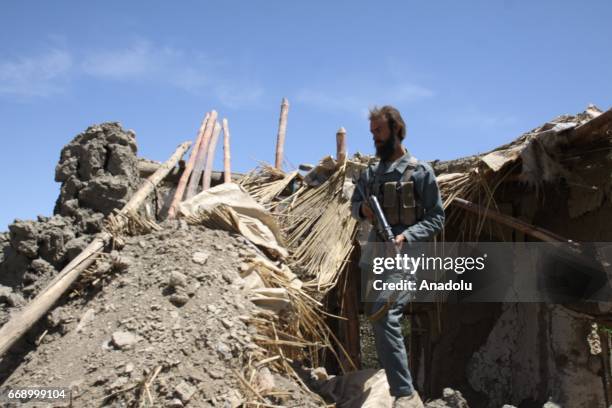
341, 146
146, 169
512, 222
200, 161
210, 156
182, 184
282, 131
21, 322
227, 164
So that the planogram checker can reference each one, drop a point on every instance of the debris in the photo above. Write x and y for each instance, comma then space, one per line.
179, 299
264, 381
86, 318
198, 168
210, 156
200, 257
18, 325
182, 184
230, 207
174, 403
185, 391
177, 280
124, 340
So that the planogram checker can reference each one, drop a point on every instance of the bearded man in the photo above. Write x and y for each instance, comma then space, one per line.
410, 199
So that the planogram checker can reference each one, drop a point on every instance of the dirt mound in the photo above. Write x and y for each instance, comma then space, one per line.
176, 308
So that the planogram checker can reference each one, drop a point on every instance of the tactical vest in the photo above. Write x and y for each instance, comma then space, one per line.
397, 198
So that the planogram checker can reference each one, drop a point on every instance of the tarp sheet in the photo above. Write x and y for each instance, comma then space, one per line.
249, 218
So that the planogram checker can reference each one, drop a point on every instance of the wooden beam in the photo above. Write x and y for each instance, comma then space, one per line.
341, 146
227, 158
529, 229
182, 184
210, 156
21, 322
146, 169
282, 131
194, 180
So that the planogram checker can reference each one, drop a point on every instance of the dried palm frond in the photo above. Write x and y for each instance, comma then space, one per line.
266, 183
119, 224
321, 237
220, 217
297, 333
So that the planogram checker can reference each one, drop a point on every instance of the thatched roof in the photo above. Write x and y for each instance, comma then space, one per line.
536, 149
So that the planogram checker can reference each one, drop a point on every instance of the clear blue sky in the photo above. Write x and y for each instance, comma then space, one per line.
467, 76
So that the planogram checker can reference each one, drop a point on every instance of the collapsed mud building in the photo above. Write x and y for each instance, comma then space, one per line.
170, 284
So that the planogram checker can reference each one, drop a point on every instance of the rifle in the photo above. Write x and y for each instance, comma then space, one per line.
386, 233
382, 225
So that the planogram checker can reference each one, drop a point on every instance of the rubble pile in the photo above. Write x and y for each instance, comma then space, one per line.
178, 308
98, 173
207, 311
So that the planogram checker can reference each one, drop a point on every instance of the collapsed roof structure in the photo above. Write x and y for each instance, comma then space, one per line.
551, 184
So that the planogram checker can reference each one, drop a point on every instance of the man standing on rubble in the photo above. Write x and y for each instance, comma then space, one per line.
400, 177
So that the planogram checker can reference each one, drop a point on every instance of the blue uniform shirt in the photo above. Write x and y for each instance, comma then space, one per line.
427, 195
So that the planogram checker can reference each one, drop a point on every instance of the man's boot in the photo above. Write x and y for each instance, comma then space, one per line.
410, 401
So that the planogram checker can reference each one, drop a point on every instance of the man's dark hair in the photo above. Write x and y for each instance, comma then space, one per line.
392, 117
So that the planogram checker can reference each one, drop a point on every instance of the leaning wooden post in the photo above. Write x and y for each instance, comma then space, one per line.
210, 157
341, 146
227, 165
194, 181
282, 131
512, 222
182, 184
21, 322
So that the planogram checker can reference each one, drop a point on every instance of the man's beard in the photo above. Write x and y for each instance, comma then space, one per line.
385, 151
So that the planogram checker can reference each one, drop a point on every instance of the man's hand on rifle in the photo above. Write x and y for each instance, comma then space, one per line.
366, 211
399, 239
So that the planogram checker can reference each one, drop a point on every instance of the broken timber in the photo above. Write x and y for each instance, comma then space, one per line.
210, 156
512, 222
196, 175
182, 184
19, 323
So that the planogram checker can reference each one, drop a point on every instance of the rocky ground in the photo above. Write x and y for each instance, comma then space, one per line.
176, 305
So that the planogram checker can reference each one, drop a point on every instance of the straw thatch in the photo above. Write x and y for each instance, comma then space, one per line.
534, 159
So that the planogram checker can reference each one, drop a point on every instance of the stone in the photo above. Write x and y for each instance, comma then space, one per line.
453, 398
118, 383
264, 381
42, 267
177, 279
179, 299
216, 374
24, 238
224, 350
185, 391
124, 340
5, 292
10, 298
200, 257
86, 318
75, 246
174, 403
